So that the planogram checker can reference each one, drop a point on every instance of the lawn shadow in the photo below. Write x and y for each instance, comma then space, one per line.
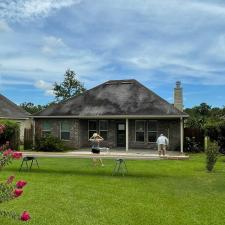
97, 172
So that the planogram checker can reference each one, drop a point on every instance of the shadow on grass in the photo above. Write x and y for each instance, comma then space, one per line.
96, 172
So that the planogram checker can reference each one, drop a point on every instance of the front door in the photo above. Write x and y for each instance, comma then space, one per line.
121, 134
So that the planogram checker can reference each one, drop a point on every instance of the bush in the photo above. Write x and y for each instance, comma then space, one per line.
211, 155
10, 134
216, 132
50, 144
191, 145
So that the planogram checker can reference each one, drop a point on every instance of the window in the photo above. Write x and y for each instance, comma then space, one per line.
65, 127
92, 128
103, 129
46, 128
152, 131
140, 130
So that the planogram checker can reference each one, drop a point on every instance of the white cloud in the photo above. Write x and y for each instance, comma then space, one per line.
52, 44
182, 40
45, 86
29, 9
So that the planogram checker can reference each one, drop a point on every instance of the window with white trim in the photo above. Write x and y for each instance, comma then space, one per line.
103, 129
46, 128
140, 130
92, 128
65, 127
152, 131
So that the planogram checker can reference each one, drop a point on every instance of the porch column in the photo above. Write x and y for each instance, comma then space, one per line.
127, 135
181, 135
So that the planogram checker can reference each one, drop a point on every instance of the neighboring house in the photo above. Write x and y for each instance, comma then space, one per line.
11, 111
124, 112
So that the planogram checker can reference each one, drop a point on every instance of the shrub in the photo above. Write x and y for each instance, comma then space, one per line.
191, 145
50, 144
211, 156
11, 133
216, 132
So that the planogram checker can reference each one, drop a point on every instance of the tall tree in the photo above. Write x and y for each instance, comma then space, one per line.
70, 87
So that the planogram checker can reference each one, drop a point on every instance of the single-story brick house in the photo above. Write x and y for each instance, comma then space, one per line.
124, 112
10, 111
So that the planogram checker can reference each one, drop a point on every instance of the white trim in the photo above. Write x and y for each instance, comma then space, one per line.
139, 131
13, 118
181, 135
118, 117
127, 135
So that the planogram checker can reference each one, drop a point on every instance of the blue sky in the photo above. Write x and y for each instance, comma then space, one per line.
154, 41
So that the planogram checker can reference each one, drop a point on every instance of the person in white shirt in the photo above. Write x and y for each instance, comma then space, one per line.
162, 143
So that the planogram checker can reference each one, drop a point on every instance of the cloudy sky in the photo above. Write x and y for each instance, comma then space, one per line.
154, 41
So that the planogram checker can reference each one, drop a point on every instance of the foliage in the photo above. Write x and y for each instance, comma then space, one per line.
191, 145
70, 87
31, 107
11, 133
49, 143
203, 114
8, 191
211, 155
216, 132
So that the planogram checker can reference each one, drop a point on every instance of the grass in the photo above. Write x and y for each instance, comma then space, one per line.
72, 191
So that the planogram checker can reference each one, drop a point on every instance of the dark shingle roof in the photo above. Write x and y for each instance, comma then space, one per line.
115, 97
10, 110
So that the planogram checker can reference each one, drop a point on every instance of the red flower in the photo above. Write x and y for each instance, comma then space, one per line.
20, 184
10, 180
2, 128
17, 155
17, 192
8, 152
25, 216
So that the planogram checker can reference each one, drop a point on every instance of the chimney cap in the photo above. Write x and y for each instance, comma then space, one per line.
178, 84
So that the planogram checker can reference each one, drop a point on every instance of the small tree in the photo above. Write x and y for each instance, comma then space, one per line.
211, 156
70, 87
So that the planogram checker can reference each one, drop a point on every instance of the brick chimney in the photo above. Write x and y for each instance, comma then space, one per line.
178, 96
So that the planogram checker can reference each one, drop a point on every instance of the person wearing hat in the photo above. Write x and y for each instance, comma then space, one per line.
162, 143
95, 149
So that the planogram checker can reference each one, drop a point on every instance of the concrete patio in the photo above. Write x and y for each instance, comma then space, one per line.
133, 154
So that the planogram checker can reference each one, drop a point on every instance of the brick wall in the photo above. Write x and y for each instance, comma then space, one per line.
74, 141
79, 133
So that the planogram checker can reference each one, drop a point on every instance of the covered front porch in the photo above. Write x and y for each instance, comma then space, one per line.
132, 133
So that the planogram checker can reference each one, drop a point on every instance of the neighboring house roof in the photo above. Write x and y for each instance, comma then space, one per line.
114, 97
9, 110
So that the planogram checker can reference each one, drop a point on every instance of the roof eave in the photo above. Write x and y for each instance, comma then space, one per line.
116, 116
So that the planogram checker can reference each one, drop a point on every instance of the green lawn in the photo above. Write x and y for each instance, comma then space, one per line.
72, 191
